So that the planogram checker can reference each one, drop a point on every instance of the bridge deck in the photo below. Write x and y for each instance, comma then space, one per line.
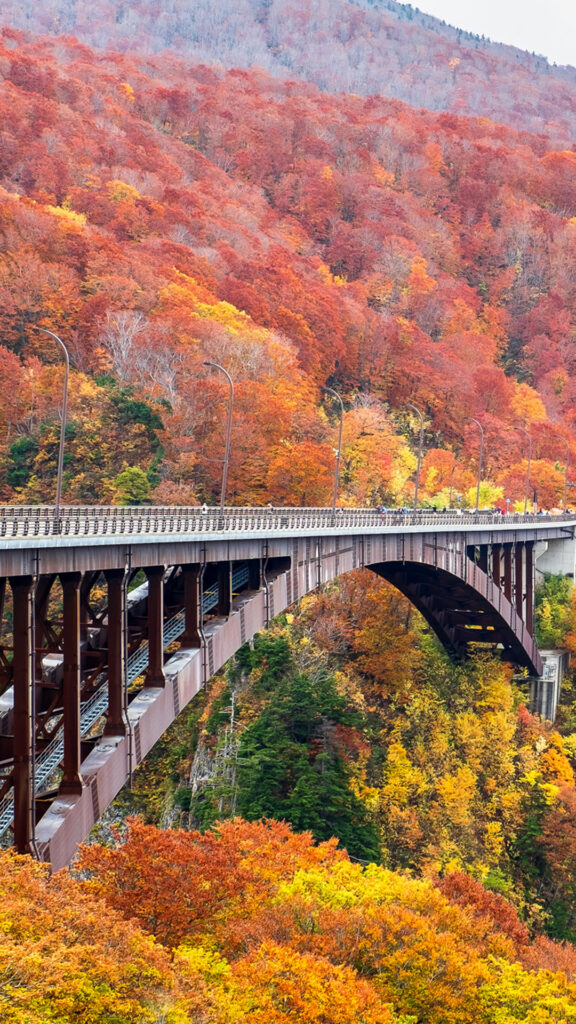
78, 524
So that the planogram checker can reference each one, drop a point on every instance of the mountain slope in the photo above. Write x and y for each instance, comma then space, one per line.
342, 46
160, 215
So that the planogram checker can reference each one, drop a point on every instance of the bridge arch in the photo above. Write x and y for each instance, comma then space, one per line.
463, 613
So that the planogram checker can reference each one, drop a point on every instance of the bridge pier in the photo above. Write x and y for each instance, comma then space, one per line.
23, 679
71, 781
557, 557
192, 575
224, 589
497, 564
85, 588
115, 724
529, 569
155, 672
519, 578
545, 689
255, 574
507, 553
41, 599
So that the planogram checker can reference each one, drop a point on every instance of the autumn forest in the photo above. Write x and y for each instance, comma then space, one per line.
344, 826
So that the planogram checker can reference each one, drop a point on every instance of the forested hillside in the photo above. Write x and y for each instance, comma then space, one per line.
157, 216
367, 47
347, 719
159, 213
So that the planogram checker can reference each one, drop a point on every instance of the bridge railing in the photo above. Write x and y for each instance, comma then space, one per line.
108, 521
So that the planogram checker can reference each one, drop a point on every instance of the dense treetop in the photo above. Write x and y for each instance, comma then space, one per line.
361, 46
157, 215
266, 927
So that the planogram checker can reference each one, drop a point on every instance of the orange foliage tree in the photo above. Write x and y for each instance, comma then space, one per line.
66, 956
140, 875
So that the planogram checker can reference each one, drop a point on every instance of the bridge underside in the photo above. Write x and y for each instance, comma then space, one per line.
460, 615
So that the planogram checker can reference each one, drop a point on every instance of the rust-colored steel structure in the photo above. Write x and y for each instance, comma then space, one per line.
119, 615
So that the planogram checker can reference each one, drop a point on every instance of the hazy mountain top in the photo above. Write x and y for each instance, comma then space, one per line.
362, 47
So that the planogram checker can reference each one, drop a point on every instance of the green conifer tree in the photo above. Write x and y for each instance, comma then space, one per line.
290, 766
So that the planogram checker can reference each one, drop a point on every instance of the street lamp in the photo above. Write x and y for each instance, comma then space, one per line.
62, 425
451, 483
339, 448
566, 442
527, 485
208, 362
480, 458
420, 443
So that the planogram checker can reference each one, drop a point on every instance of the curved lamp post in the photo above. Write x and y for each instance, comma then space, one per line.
480, 458
62, 425
339, 448
208, 362
527, 485
567, 443
420, 443
451, 483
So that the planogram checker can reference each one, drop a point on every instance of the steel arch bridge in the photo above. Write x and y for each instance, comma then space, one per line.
73, 725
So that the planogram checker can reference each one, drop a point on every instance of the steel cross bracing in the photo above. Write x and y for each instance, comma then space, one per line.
92, 710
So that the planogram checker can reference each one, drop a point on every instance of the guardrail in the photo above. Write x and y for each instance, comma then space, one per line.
110, 521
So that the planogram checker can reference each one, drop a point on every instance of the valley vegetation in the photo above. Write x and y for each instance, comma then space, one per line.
159, 214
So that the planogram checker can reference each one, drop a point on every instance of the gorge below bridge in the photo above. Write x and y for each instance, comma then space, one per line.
87, 690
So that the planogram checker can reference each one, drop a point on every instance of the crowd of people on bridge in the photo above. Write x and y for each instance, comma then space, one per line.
497, 510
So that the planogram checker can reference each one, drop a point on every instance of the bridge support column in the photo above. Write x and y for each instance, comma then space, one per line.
507, 571
2, 659
192, 606
4, 668
115, 724
483, 557
496, 565
224, 589
519, 578
254, 574
529, 548
23, 678
155, 671
88, 581
72, 778
41, 598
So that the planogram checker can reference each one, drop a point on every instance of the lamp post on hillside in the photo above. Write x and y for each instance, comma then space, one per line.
451, 483
338, 449
420, 443
480, 458
527, 485
62, 425
566, 442
208, 362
